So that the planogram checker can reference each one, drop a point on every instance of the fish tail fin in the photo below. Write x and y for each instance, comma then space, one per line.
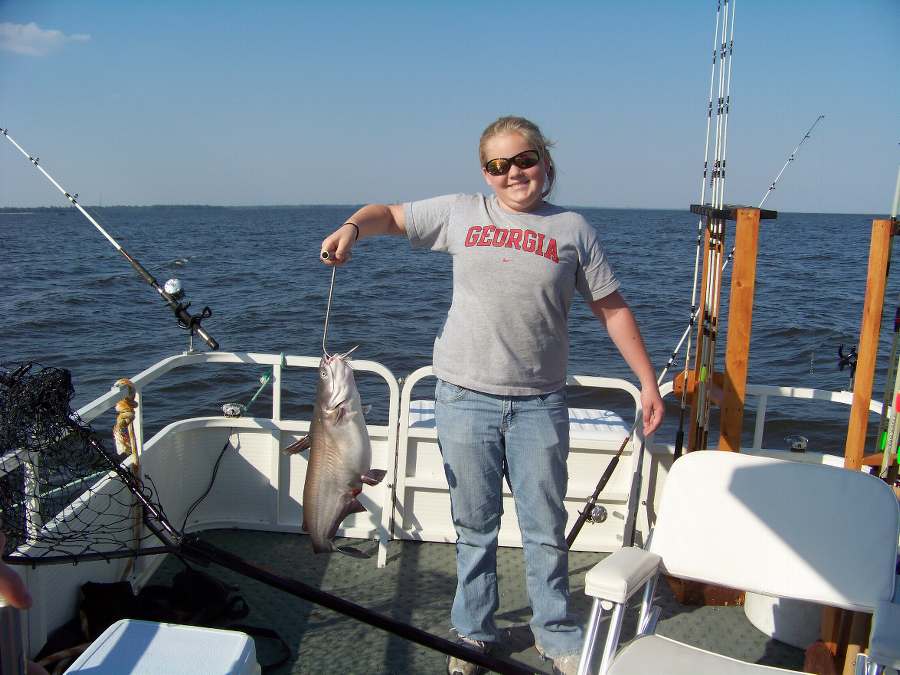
321, 546
373, 476
298, 446
353, 552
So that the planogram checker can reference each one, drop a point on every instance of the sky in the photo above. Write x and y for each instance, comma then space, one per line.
265, 103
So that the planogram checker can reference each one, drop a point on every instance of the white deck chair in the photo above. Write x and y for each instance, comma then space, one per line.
786, 529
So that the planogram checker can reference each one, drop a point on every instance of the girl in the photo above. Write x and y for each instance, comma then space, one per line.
500, 360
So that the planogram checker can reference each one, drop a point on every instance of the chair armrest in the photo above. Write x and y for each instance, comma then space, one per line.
884, 643
622, 574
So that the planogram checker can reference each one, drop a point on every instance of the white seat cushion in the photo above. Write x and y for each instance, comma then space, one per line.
768, 526
655, 654
587, 423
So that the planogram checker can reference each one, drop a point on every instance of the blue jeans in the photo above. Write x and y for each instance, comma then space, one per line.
476, 433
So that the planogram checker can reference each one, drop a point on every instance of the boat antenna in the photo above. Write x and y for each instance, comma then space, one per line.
172, 294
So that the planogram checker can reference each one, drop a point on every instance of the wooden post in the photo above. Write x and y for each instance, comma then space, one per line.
846, 643
879, 258
729, 390
740, 317
860, 626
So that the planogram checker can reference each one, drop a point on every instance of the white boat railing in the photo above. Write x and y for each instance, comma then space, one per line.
276, 425
764, 392
421, 492
757, 400
270, 494
396, 436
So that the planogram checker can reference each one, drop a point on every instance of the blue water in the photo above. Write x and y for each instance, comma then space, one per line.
72, 301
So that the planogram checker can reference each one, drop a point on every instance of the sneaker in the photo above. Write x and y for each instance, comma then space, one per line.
566, 665
563, 665
456, 666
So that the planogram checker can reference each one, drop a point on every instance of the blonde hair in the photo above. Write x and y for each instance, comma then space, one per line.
532, 135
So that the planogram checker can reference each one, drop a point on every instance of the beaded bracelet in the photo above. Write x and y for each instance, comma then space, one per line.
350, 222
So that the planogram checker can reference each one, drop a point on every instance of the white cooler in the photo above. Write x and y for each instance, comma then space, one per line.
148, 648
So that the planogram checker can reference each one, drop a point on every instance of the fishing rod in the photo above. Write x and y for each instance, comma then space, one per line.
172, 293
888, 430
679, 439
713, 240
790, 159
699, 247
886, 438
721, 53
706, 346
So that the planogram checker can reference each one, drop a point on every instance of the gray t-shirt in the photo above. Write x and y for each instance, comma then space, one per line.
514, 276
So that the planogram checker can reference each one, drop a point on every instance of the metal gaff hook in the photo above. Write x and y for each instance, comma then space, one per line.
327, 313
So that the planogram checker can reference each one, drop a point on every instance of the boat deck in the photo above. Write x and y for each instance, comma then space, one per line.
417, 587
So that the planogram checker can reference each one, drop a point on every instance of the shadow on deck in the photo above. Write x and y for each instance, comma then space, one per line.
417, 587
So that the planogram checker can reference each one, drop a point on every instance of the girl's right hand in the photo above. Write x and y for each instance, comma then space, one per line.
336, 246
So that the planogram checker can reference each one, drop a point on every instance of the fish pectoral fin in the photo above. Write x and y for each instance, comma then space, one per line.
353, 552
373, 476
298, 446
354, 506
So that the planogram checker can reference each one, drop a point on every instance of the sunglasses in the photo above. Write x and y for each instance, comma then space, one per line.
502, 165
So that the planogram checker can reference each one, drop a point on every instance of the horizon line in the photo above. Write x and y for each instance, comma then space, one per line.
18, 209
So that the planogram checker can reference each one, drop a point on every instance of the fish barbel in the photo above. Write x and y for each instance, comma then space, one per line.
340, 455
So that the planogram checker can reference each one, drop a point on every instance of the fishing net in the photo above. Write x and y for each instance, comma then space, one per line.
64, 497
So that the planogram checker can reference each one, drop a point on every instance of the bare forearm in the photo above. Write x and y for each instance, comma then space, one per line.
375, 219
369, 221
622, 328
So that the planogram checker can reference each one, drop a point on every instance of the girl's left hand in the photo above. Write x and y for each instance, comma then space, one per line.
653, 408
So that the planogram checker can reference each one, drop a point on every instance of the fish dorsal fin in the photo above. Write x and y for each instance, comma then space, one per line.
298, 446
348, 353
373, 476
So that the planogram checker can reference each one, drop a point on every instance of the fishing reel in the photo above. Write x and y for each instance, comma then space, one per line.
848, 360
233, 409
186, 321
597, 514
797, 443
174, 288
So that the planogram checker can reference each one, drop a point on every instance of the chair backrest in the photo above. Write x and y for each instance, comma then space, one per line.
781, 528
